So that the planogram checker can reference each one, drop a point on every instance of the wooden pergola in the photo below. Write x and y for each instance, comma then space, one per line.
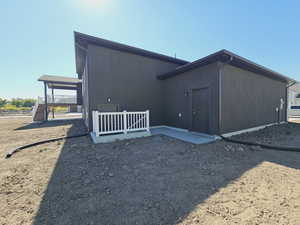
62, 83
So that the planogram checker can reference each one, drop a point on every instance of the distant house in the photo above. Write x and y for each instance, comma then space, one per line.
220, 93
294, 101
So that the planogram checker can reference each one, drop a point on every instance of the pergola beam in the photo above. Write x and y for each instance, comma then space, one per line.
64, 88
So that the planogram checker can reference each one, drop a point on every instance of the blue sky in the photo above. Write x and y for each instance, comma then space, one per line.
37, 36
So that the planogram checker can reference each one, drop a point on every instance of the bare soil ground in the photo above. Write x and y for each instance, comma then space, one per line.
154, 180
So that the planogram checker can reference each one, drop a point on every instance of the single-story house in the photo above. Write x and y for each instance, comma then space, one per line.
294, 101
220, 93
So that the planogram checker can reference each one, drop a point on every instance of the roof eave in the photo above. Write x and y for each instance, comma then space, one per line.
200, 62
260, 67
59, 80
225, 56
122, 47
80, 54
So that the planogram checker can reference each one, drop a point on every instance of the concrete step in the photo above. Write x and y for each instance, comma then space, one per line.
39, 113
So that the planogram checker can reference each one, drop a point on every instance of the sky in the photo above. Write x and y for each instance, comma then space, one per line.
37, 36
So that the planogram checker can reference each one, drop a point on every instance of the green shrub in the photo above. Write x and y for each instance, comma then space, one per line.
28, 102
60, 109
20, 102
10, 107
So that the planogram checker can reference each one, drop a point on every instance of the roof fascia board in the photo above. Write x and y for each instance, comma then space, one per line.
43, 79
200, 62
60, 82
257, 66
221, 56
130, 49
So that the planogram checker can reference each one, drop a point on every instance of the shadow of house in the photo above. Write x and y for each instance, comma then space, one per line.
155, 180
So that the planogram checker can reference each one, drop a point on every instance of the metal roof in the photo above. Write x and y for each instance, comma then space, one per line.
230, 58
59, 79
59, 82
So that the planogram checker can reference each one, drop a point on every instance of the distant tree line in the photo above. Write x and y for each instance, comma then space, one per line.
16, 103
2, 102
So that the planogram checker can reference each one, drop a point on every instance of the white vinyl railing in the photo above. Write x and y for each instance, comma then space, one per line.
34, 109
58, 99
119, 122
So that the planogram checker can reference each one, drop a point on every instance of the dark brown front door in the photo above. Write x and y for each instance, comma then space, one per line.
200, 110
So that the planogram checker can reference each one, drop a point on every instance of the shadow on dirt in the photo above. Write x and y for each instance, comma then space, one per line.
50, 123
155, 180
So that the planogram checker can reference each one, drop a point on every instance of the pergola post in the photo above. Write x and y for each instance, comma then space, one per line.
46, 102
53, 103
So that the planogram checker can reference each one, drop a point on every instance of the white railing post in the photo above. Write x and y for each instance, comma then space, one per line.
96, 123
125, 121
93, 119
148, 122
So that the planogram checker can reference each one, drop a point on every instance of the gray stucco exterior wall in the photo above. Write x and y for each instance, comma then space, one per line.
249, 99
177, 92
127, 79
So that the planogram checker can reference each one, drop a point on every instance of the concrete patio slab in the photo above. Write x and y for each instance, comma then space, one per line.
184, 135
118, 137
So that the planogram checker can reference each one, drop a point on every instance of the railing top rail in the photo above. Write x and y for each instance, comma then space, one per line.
119, 113
64, 99
141, 112
58, 96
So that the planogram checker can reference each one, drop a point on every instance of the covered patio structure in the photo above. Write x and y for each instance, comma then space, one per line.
41, 109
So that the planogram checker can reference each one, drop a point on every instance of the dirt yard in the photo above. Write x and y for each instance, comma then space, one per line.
154, 180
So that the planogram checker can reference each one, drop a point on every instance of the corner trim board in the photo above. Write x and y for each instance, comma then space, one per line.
220, 67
